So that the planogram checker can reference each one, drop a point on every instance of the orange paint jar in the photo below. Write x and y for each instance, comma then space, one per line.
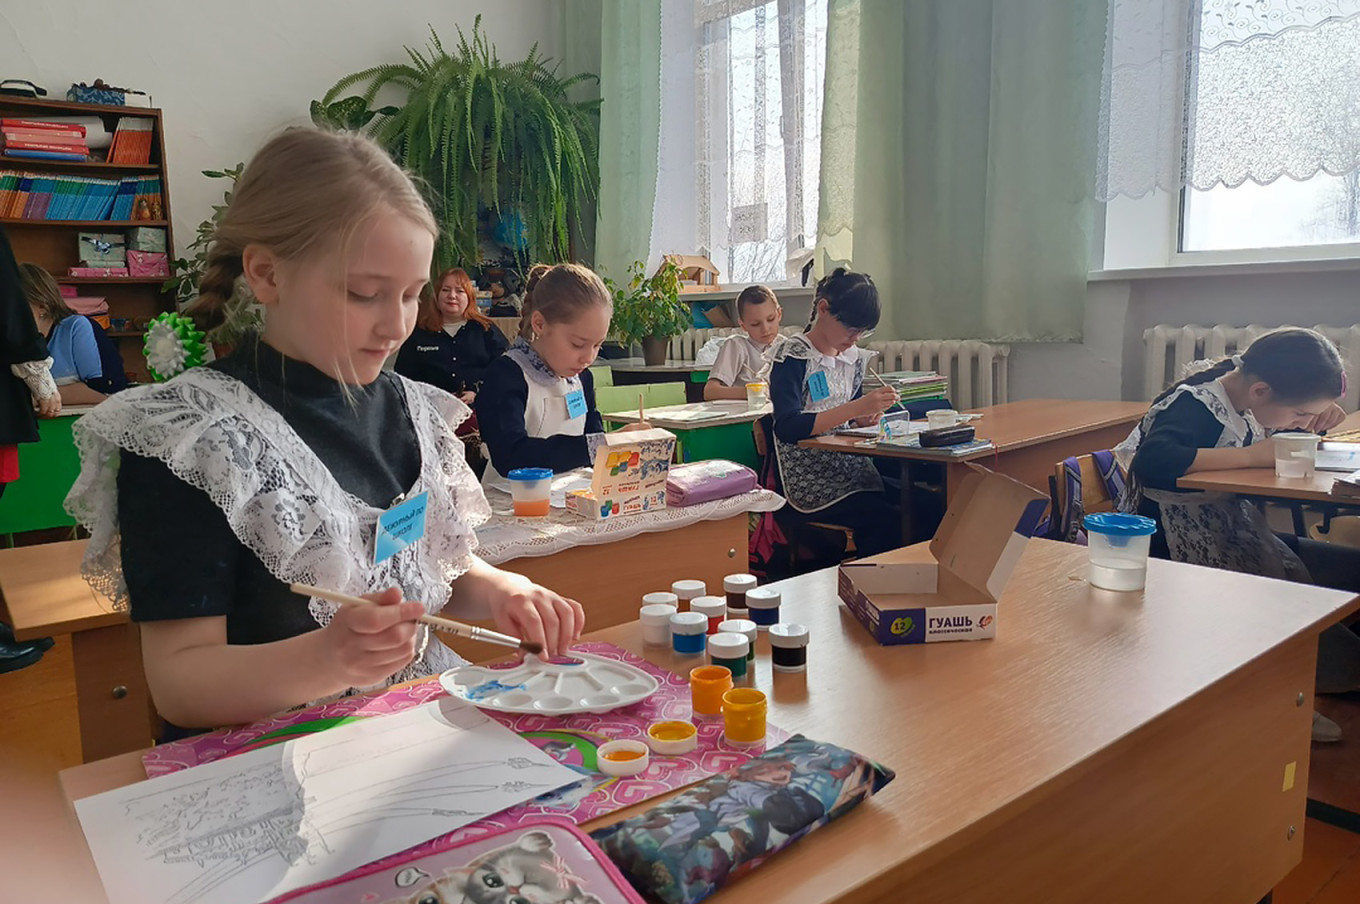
707, 684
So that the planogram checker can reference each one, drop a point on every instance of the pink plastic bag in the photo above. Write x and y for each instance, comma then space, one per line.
705, 481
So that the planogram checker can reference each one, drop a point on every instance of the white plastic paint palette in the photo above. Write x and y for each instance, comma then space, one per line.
580, 684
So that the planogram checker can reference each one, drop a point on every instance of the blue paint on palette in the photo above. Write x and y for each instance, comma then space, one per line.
490, 689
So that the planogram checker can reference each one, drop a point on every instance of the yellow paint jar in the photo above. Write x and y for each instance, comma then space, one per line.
707, 684
744, 716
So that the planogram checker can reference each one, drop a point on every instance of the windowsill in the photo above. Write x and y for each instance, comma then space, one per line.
1256, 268
730, 294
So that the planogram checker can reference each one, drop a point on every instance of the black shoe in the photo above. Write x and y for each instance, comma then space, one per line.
7, 637
15, 656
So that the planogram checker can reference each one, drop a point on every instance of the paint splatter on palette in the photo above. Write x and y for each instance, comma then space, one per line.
572, 740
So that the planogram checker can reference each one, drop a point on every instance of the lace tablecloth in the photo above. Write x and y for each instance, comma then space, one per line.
506, 537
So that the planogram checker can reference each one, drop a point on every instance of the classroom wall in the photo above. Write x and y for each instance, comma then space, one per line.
229, 75
1108, 363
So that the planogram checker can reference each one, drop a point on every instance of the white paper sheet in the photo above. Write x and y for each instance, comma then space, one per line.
253, 826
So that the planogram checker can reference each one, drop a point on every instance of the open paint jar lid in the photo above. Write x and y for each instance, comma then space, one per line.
623, 758
672, 737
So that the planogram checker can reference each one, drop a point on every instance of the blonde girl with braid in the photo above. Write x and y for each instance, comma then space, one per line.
208, 495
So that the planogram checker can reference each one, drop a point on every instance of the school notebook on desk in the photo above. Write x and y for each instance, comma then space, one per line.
1333, 456
913, 442
1347, 487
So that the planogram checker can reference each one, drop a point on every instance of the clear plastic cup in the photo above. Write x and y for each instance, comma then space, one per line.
531, 490
757, 395
1118, 545
1295, 454
941, 417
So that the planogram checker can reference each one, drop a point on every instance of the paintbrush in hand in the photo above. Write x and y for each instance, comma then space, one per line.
447, 625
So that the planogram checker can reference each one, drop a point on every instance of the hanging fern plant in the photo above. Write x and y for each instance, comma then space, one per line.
487, 135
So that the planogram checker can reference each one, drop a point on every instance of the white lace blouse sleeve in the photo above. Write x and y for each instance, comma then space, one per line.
37, 375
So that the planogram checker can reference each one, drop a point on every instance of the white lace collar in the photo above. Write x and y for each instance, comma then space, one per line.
281, 502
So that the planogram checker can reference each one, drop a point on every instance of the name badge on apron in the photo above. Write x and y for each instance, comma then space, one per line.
399, 527
818, 389
576, 404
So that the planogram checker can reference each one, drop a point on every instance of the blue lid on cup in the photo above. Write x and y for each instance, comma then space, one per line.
530, 474
1118, 524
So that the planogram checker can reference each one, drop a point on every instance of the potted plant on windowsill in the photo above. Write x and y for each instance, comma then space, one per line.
648, 310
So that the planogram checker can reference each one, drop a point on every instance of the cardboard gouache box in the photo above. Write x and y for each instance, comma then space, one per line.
630, 474
947, 589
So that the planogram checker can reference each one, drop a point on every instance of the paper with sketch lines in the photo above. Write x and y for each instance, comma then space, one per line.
250, 827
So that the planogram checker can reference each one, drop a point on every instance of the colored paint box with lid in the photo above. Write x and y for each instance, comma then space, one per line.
762, 604
689, 633
788, 647
714, 608
729, 650
746, 628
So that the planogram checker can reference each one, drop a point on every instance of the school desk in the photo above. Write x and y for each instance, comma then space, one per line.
632, 371
1111, 747
42, 594
729, 435
1262, 482
47, 469
1028, 437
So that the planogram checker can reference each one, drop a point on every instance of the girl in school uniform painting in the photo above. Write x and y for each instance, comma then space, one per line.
1221, 418
537, 404
208, 495
816, 384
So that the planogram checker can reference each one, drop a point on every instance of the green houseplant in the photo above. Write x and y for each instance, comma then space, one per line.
242, 314
488, 137
648, 310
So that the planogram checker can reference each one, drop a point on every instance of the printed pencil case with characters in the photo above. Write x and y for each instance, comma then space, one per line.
689, 846
543, 859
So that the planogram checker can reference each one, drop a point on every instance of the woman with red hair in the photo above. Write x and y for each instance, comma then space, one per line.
453, 343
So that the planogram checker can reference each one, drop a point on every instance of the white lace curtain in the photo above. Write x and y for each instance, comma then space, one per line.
758, 69
1203, 93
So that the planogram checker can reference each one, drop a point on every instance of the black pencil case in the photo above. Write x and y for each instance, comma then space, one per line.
947, 436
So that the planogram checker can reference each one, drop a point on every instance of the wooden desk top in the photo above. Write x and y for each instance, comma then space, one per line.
1263, 482
977, 731
43, 593
1013, 425
730, 412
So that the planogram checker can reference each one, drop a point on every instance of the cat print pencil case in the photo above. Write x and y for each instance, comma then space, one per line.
542, 859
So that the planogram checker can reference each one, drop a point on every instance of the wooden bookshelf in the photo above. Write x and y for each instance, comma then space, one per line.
52, 244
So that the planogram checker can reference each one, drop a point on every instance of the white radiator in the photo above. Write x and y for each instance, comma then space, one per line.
977, 370
1167, 349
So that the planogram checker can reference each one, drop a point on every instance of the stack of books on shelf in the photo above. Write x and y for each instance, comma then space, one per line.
132, 140
50, 196
916, 385
37, 139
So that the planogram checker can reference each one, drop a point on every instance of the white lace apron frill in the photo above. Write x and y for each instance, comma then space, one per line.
815, 479
214, 433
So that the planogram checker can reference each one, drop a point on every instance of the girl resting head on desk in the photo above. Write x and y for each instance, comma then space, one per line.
207, 495
1220, 418
537, 404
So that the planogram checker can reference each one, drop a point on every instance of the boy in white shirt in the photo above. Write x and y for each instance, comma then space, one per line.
745, 359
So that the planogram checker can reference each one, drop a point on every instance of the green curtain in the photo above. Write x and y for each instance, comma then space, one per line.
958, 161
627, 35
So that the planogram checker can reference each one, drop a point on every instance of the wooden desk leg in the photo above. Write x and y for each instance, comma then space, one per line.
111, 694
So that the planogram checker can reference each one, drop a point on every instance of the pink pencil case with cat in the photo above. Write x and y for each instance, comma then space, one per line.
542, 860
705, 481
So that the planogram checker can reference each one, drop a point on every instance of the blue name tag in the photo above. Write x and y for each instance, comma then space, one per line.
576, 404
399, 527
818, 390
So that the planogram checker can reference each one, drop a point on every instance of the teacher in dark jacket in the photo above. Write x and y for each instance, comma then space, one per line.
25, 386
453, 342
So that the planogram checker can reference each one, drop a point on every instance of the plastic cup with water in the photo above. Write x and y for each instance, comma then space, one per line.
1295, 454
1118, 545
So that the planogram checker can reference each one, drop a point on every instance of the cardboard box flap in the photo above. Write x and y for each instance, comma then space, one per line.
984, 530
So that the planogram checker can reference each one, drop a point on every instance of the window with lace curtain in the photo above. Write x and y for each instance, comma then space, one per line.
1248, 112
758, 74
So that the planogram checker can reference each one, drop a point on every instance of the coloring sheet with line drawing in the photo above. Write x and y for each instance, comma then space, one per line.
253, 826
